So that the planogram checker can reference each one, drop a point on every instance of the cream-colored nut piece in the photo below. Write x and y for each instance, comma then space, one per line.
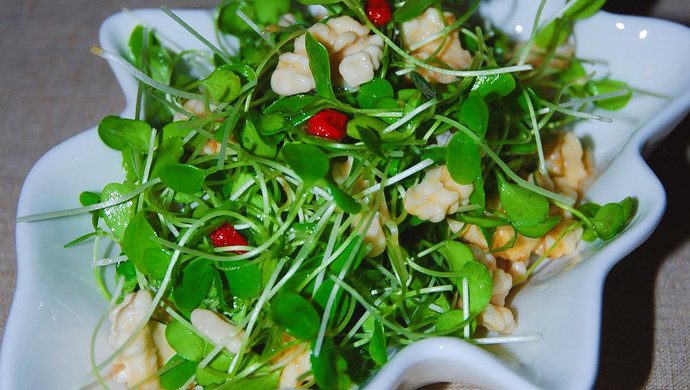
194, 107
353, 51
436, 195
431, 22
139, 359
566, 246
497, 319
164, 350
566, 162
295, 364
294, 370
503, 282
519, 252
374, 235
217, 329
292, 75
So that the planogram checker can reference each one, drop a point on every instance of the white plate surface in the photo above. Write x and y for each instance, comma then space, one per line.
57, 305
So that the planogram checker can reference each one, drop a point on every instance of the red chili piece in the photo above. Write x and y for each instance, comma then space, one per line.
329, 124
226, 235
378, 12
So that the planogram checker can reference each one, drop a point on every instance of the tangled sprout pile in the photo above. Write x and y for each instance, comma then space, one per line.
333, 181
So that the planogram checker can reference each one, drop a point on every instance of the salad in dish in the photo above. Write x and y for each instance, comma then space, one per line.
338, 183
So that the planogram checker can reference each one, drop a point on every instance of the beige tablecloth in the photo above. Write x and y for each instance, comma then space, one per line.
52, 88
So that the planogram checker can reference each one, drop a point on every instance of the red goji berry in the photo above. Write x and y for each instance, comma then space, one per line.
329, 124
378, 12
226, 235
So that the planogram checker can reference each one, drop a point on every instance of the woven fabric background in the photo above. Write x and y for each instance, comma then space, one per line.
52, 88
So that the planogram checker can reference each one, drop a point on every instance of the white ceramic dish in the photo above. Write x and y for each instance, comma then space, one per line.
57, 304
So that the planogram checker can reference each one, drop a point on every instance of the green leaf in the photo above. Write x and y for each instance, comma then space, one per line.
186, 343
600, 87
216, 372
223, 85
158, 60
245, 72
297, 108
494, 86
178, 376
436, 153
308, 161
457, 255
478, 195
463, 159
574, 72
554, 34
136, 46
244, 279
120, 133
269, 381
372, 140
359, 122
474, 113
371, 93
128, 272
320, 66
377, 345
411, 9
538, 230
273, 123
479, 283
627, 205
423, 85
253, 141
183, 177
221, 362
147, 255
271, 10
450, 320
524, 207
295, 315
160, 63
207, 377
344, 200
518, 101
608, 219
194, 284
132, 164
88, 198
589, 210
156, 260
118, 216
583, 9
169, 152
329, 367
412, 101
229, 22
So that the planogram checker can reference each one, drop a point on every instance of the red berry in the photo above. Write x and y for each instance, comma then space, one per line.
378, 12
226, 235
329, 124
